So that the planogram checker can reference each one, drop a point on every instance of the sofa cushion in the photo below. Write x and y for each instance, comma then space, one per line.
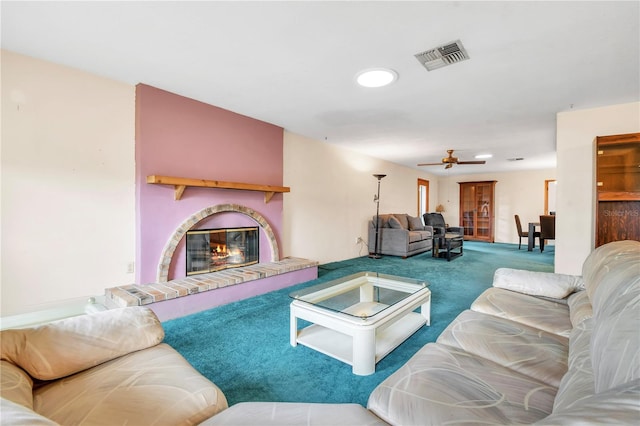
617, 406
415, 223
67, 346
152, 386
446, 385
615, 345
383, 221
578, 382
427, 234
419, 247
517, 346
612, 281
403, 219
547, 284
607, 267
579, 307
415, 236
14, 414
292, 413
534, 311
16, 385
419, 236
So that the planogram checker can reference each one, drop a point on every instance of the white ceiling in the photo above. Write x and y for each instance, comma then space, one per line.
293, 64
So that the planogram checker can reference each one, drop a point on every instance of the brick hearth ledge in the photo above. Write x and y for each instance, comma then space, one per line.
136, 295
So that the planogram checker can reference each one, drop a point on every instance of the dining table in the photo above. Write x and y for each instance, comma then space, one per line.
531, 243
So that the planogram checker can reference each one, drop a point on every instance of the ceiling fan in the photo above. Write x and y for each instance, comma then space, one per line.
451, 160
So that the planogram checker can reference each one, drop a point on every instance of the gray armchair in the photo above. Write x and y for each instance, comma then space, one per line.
436, 221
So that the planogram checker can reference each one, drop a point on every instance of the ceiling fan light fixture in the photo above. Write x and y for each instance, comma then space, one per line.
451, 160
376, 77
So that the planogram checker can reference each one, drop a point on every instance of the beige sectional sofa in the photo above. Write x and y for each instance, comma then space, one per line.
107, 368
536, 348
399, 234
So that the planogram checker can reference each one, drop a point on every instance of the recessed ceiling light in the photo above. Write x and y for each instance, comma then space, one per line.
376, 77
484, 156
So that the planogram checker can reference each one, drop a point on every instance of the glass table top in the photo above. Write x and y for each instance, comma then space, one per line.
362, 295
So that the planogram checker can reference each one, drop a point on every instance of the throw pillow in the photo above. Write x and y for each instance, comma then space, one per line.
534, 283
415, 224
65, 347
394, 223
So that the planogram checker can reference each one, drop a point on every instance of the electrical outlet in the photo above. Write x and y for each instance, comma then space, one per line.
130, 268
359, 240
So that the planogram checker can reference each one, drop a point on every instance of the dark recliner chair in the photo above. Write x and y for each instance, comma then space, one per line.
436, 220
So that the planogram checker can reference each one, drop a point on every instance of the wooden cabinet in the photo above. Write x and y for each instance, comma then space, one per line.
617, 188
477, 210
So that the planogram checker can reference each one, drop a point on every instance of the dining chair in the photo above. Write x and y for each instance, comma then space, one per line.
523, 234
547, 229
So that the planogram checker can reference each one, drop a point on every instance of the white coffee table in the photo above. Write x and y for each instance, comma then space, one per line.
361, 318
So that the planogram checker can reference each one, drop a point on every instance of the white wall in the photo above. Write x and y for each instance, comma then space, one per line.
520, 193
331, 198
576, 133
68, 219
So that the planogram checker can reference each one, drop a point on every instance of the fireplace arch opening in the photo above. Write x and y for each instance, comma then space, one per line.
192, 221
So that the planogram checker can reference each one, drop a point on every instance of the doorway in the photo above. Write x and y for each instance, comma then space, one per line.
423, 197
550, 186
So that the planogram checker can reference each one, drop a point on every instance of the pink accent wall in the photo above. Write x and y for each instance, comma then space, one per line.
181, 137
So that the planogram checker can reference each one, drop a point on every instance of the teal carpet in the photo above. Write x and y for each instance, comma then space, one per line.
243, 347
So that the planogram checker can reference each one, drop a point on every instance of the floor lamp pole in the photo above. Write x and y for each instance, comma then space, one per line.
376, 198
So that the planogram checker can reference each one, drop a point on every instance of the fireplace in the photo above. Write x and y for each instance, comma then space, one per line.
210, 250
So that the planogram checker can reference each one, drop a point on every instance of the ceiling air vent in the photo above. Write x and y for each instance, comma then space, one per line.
442, 56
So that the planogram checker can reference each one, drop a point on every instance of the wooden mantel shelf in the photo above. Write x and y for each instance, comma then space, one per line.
181, 184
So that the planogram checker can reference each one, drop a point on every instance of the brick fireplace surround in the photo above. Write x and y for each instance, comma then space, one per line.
167, 297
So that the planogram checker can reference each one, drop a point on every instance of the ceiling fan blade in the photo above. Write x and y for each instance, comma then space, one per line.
472, 162
430, 164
